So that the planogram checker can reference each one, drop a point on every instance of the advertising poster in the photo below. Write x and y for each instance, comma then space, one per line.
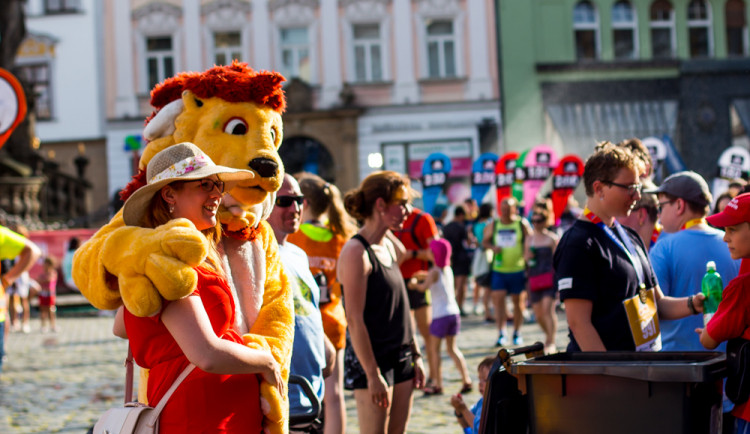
505, 175
435, 172
519, 178
483, 175
565, 178
539, 163
734, 162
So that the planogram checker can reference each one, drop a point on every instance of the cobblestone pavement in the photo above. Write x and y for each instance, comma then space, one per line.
62, 382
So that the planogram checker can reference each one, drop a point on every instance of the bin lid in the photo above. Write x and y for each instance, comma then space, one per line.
666, 366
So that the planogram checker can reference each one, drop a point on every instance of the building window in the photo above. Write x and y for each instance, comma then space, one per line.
625, 30
295, 53
699, 28
662, 30
737, 38
39, 78
586, 31
441, 49
159, 59
61, 6
227, 47
368, 62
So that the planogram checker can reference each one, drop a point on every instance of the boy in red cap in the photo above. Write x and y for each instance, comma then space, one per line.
733, 315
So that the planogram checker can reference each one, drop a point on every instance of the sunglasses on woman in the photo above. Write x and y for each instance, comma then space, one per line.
208, 185
287, 201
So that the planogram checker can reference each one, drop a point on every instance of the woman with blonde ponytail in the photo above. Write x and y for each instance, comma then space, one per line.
326, 227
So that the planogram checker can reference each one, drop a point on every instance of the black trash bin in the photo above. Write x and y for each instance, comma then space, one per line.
623, 392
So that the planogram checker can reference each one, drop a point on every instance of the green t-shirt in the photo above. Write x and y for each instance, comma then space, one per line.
510, 238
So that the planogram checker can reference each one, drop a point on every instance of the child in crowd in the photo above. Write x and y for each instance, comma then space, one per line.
731, 318
446, 320
47, 291
469, 418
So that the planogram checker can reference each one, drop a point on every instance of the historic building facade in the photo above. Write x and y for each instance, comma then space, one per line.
371, 83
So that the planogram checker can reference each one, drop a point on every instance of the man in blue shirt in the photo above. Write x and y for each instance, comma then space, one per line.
312, 353
679, 257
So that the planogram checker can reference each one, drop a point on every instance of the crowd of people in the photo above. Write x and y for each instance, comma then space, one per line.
369, 272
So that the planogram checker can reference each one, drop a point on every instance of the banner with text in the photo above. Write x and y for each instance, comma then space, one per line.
483, 175
435, 172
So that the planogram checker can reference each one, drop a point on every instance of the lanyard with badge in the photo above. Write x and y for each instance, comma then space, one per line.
641, 308
690, 223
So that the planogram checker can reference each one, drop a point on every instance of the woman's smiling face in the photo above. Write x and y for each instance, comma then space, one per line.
197, 201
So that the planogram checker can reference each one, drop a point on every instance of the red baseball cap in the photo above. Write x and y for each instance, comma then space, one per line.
737, 211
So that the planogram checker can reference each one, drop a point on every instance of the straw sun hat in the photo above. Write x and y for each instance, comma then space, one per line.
180, 162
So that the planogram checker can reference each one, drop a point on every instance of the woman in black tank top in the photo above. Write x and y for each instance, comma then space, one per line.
381, 358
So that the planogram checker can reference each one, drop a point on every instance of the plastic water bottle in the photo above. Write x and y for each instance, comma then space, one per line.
711, 287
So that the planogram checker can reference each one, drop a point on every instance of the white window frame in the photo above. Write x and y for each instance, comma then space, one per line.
441, 40
160, 57
65, 7
367, 45
226, 17
229, 51
295, 50
291, 16
47, 63
706, 23
587, 26
366, 12
631, 25
664, 24
449, 10
156, 21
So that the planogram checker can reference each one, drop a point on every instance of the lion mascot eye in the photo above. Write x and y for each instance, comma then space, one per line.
236, 126
273, 135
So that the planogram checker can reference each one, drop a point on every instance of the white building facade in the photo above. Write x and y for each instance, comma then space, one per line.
423, 72
61, 58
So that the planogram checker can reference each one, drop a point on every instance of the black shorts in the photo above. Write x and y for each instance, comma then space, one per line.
484, 279
417, 299
461, 267
396, 367
537, 296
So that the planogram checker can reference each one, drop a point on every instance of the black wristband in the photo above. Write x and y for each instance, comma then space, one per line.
691, 305
458, 414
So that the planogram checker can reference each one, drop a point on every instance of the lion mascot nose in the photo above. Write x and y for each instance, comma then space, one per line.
264, 166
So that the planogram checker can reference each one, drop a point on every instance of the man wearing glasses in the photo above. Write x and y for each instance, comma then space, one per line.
312, 353
679, 258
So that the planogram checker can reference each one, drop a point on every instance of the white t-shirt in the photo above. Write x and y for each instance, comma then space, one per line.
443, 294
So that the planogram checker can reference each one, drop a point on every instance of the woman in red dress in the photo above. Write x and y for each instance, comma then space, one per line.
222, 393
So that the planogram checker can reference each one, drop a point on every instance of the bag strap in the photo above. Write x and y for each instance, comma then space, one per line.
153, 416
163, 401
413, 229
129, 376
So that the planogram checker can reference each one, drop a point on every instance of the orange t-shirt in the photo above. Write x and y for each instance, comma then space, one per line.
424, 230
323, 247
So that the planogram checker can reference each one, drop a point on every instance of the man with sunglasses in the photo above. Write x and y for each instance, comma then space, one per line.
312, 353
679, 258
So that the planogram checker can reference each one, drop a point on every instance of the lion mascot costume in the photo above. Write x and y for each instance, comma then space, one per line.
233, 114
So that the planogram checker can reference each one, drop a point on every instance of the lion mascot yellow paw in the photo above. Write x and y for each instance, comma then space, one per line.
234, 115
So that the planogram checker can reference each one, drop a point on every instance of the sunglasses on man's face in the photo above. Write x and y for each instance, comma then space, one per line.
208, 185
287, 201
